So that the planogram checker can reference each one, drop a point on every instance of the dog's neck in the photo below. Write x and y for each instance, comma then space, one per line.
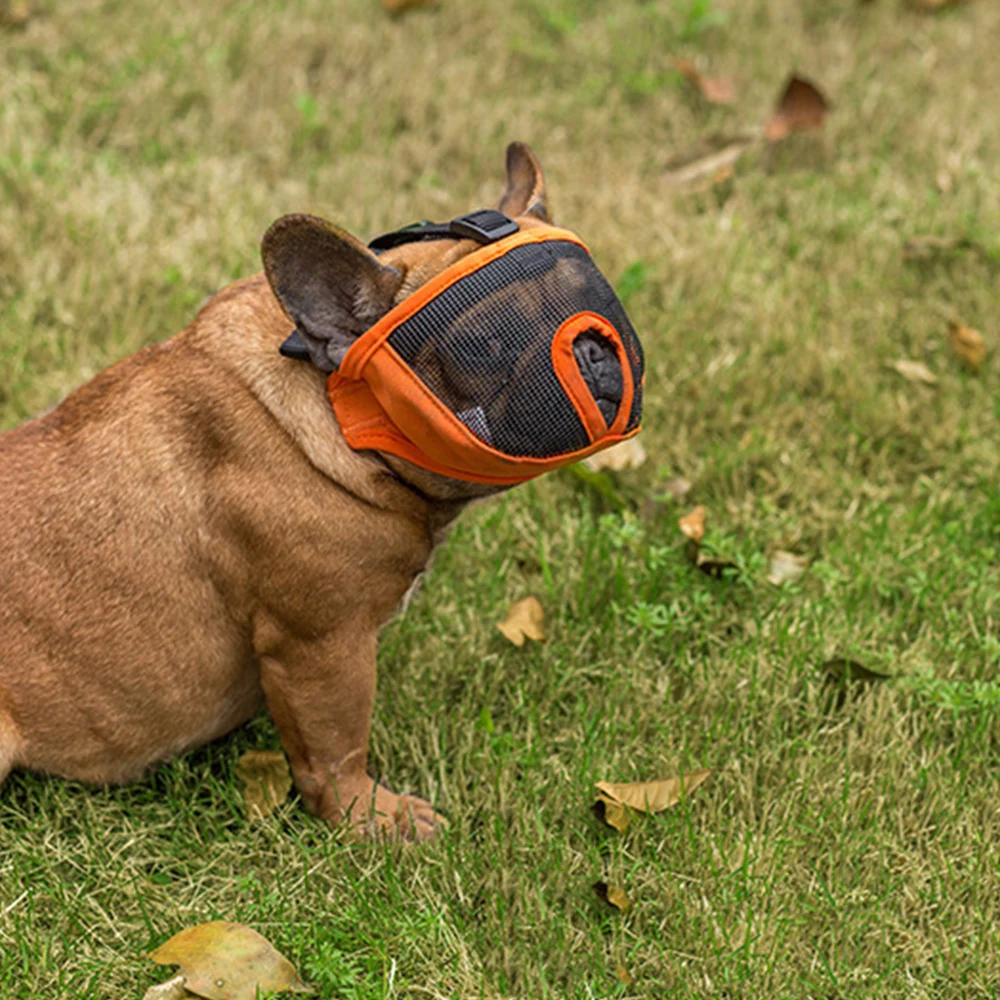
246, 336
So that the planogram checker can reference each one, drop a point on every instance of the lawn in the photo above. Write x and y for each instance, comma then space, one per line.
844, 845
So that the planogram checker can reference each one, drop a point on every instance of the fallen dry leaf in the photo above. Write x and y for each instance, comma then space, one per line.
915, 371
226, 961
693, 524
614, 814
627, 454
613, 896
801, 108
840, 668
650, 796
173, 989
715, 89
266, 781
968, 344
785, 566
525, 620
713, 157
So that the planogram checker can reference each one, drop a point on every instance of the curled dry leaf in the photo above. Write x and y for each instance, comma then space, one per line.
915, 371
785, 566
693, 524
613, 814
801, 108
968, 345
627, 454
226, 961
678, 487
613, 896
266, 781
525, 620
840, 668
715, 89
650, 796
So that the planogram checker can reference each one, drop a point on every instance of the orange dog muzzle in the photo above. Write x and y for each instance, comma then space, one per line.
515, 360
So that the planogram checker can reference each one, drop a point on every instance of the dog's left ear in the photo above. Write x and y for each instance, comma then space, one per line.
525, 194
330, 284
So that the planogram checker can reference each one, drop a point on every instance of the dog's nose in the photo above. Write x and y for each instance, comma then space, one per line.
601, 371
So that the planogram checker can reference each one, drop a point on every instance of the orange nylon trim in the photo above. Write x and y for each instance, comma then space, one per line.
568, 370
360, 352
448, 443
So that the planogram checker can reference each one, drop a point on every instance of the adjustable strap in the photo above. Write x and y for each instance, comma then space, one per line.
484, 226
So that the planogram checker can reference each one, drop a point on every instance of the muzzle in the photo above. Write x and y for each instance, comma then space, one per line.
515, 360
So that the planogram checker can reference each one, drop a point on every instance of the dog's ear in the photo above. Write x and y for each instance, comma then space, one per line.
525, 194
331, 285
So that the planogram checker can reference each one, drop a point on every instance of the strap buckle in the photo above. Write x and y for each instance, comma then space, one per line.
484, 226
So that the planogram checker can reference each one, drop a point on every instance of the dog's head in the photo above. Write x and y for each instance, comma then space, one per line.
334, 289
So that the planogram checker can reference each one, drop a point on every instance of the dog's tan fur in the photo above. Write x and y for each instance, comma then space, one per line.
187, 537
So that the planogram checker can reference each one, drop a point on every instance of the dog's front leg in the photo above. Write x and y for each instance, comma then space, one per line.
320, 694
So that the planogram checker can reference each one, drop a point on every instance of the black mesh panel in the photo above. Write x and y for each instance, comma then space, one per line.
484, 347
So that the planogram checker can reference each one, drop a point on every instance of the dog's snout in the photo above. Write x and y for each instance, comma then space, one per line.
602, 372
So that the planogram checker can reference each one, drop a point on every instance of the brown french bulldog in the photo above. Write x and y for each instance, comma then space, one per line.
188, 537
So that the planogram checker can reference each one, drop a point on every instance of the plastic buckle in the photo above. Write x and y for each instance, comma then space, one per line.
484, 226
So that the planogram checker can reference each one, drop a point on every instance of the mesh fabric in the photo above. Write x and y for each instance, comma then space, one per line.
483, 347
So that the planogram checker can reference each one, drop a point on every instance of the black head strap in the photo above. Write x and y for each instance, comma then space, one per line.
484, 226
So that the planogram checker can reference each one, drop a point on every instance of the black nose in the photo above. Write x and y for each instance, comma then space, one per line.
601, 371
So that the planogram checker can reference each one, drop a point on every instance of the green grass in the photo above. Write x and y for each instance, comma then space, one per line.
845, 846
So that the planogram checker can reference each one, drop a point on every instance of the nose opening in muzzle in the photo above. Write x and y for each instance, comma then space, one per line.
601, 371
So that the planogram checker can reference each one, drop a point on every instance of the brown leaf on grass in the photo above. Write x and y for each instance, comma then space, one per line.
801, 108
173, 989
693, 524
968, 344
525, 620
785, 566
715, 89
266, 781
399, 6
650, 796
840, 668
226, 961
627, 454
614, 814
713, 157
915, 371
613, 896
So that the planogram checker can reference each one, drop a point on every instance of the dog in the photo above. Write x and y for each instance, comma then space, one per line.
188, 538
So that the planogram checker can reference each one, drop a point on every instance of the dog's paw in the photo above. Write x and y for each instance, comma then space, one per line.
397, 817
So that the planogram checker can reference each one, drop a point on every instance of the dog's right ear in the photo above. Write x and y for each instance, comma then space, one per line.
330, 284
